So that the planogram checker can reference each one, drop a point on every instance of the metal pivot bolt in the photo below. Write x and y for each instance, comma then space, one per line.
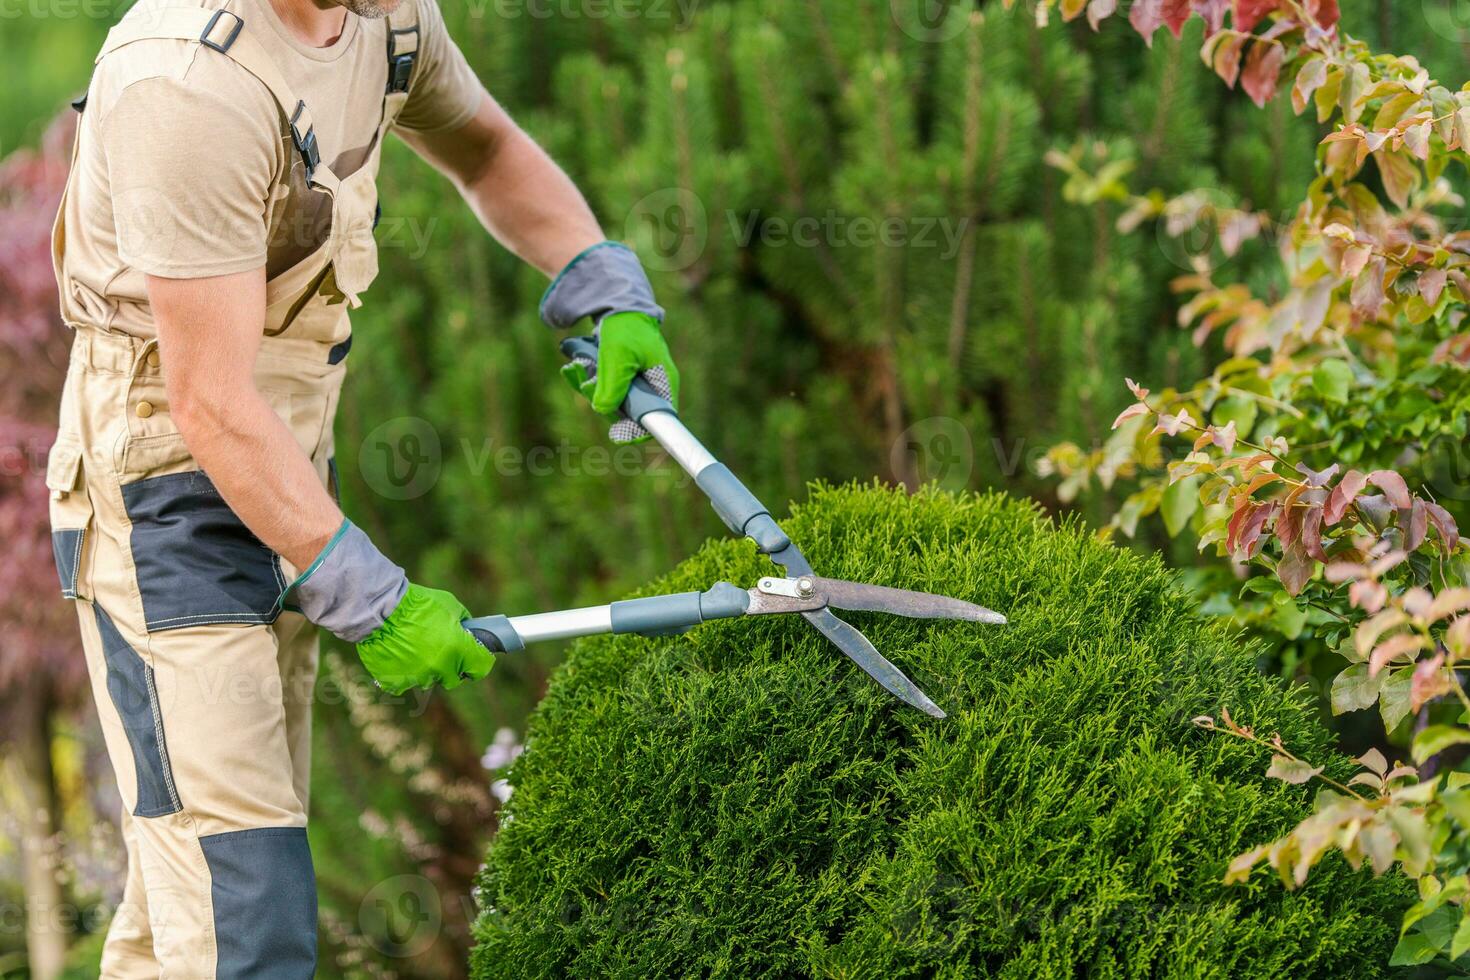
793, 588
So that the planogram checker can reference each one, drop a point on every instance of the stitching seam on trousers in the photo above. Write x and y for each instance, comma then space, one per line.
168, 775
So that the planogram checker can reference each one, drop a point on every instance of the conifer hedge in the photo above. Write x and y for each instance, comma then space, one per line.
741, 801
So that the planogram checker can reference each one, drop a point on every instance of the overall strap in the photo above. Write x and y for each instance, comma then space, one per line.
403, 46
224, 31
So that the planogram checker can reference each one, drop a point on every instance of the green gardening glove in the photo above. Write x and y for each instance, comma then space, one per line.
422, 643
628, 344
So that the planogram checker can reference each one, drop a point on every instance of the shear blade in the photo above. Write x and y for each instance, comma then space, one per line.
860, 597
862, 652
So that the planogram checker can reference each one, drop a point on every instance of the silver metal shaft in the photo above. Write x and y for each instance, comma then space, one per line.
678, 441
563, 624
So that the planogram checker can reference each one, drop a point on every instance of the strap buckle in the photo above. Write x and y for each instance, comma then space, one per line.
207, 38
305, 142
401, 62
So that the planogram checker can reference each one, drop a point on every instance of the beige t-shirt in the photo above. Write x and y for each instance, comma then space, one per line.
183, 153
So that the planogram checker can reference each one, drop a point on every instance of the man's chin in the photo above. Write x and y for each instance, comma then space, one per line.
371, 9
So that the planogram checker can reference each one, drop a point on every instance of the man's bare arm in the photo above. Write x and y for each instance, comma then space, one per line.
209, 331
521, 196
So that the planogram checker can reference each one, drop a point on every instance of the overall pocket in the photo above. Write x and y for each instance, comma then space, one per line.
197, 563
71, 517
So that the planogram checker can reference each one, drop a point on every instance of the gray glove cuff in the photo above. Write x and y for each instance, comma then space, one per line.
351, 588
606, 278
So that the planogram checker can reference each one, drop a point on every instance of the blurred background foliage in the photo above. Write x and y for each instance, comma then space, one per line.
868, 269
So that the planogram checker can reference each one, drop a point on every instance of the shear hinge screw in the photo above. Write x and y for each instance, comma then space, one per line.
805, 586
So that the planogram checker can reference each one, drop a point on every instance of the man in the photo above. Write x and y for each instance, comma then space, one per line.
216, 230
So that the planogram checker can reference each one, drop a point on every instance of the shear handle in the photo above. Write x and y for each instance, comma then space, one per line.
642, 399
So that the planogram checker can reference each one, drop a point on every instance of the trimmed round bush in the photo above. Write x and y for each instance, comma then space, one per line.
742, 801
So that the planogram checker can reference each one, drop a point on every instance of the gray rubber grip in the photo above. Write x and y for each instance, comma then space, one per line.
498, 629
767, 534
739, 508
656, 614
723, 601
641, 400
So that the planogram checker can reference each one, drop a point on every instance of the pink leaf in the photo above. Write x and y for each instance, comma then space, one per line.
1248, 13
1444, 525
1246, 523
1431, 284
1325, 11
1224, 438
1343, 495
1457, 637
1393, 487
1317, 478
1262, 71
1367, 293
1289, 524
1393, 647
1295, 569
1175, 13
1136, 410
1172, 424
1447, 602
1367, 595
1345, 571
1099, 10
1312, 533
1225, 59
1428, 683
1387, 563
1414, 523
1370, 630
1147, 16
1213, 12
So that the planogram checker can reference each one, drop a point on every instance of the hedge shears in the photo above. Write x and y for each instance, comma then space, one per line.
797, 590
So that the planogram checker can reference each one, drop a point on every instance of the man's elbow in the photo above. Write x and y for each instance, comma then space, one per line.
203, 411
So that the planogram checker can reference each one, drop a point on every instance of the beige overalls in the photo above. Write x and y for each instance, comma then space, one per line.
202, 683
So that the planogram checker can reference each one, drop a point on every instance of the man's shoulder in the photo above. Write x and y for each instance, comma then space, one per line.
180, 67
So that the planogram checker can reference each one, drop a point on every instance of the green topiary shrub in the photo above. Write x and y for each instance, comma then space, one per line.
741, 801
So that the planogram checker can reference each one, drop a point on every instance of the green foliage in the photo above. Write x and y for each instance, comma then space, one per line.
799, 362
1317, 446
740, 801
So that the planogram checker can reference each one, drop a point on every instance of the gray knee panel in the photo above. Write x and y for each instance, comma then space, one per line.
264, 892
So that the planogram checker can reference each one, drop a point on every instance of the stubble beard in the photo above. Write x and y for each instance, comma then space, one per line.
370, 9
